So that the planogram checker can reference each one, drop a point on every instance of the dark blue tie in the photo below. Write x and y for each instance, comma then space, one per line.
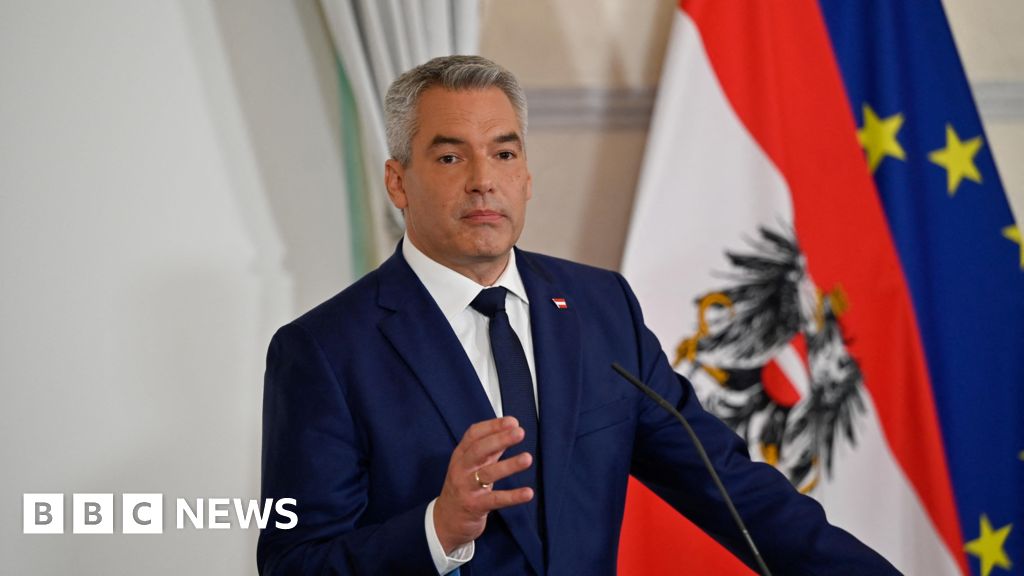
514, 381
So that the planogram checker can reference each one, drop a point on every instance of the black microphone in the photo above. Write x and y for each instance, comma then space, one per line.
703, 456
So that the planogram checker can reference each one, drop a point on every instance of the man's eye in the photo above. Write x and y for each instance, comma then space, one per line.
447, 159
506, 155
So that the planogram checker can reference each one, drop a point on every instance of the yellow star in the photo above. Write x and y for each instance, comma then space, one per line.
989, 547
1012, 233
958, 159
878, 137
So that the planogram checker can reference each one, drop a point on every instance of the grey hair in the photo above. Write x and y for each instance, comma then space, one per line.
450, 73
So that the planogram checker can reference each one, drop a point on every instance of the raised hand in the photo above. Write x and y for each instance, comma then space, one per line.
467, 497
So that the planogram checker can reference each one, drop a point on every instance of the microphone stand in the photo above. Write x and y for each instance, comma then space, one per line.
763, 568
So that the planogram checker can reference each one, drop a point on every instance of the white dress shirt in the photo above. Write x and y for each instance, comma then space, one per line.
453, 293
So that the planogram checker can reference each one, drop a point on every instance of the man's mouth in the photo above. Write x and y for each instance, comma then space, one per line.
482, 216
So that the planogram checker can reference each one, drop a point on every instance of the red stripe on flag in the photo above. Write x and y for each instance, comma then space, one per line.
776, 66
658, 540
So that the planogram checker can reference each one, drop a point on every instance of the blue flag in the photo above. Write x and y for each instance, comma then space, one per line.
959, 247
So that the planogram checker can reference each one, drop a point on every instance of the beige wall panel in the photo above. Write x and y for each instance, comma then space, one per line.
584, 177
988, 34
603, 43
583, 186
1007, 141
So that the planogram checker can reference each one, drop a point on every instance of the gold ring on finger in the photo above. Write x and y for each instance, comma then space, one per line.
484, 485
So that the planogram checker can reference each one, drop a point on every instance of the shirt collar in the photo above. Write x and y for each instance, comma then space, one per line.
452, 291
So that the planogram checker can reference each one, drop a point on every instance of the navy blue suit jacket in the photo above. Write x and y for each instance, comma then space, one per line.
367, 395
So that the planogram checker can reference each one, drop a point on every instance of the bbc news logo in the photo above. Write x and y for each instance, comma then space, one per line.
144, 513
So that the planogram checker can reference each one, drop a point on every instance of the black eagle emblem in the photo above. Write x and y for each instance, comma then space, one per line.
771, 360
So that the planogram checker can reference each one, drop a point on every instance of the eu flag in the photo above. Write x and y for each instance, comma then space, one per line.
959, 247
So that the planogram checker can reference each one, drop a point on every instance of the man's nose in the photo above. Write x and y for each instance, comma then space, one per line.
481, 177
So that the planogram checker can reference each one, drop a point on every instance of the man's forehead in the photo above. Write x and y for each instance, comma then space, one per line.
440, 110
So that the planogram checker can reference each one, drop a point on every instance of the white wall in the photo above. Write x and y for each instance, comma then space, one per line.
145, 262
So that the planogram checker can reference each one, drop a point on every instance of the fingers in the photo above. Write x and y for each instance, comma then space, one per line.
488, 427
502, 469
485, 442
499, 499
489, 448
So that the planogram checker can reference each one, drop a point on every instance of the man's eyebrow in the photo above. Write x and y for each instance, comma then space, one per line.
441, 140
509, 137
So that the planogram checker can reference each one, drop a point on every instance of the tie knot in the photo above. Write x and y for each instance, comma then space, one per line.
489, 301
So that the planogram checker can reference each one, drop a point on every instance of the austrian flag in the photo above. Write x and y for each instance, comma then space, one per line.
560, 303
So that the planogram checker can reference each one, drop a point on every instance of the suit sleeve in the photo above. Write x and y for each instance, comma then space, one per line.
313, 452
789, 528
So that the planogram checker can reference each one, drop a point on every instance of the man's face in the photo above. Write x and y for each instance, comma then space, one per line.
465, 188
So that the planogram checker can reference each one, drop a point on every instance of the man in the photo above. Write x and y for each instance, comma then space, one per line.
381, 405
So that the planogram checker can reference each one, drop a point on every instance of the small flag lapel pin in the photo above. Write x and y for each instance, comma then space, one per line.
560, 303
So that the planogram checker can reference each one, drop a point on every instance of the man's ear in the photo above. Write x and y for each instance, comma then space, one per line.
529, 185
394, 181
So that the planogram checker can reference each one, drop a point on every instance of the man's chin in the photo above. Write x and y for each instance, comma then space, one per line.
490, 244
490, 253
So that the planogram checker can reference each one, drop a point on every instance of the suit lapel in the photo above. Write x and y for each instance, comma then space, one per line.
558, 360
423, 338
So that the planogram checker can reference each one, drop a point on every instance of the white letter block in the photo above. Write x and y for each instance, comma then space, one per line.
43, 514
92, 513
142, 513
